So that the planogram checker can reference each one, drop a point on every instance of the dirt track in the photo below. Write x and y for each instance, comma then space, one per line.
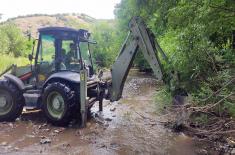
130, 126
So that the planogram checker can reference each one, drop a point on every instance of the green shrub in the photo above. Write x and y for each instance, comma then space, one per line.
12, 41
7, 60
163, 99
198, 39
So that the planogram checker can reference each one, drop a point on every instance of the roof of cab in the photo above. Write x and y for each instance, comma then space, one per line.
47, 29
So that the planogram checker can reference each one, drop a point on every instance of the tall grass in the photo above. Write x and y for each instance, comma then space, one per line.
163, 99
7, 60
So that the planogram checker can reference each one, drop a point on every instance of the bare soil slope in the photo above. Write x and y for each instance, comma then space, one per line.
33, 22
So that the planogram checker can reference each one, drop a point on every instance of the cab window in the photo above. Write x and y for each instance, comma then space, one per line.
47, 49
85, 52
46, 55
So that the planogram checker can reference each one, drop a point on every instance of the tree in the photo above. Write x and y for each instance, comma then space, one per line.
197, 35
108, 43
13, 41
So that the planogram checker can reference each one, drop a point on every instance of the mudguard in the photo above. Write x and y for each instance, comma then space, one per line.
69, 76
15, 80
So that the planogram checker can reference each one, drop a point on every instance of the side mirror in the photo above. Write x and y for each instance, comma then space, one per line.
30, 56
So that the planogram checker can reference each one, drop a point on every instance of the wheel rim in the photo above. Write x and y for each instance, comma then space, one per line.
55, 105
6, 102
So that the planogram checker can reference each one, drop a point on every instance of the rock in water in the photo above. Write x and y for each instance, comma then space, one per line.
108, 119
113, 109
45, 141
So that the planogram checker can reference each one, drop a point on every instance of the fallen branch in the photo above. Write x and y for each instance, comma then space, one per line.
224, 132
220, 101
215, 93
144, 117
204, 109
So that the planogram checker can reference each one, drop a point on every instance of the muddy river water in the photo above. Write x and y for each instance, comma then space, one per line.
129, 126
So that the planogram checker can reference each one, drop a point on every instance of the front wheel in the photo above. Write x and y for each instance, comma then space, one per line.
58, 100
11, 101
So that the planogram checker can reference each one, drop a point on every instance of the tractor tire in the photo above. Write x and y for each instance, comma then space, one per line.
11, 101
58, 102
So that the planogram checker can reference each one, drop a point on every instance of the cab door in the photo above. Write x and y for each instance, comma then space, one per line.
46, 57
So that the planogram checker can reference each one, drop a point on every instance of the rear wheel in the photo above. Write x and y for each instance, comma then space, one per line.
11, 101
58, 101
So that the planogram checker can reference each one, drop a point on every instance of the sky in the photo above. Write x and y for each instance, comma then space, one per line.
100, 9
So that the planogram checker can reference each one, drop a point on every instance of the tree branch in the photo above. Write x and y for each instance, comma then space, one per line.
216, 7
220, 101
215, 93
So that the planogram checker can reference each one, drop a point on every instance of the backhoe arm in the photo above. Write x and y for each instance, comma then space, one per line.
139, 37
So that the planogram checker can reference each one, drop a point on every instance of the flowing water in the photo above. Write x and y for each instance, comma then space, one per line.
129, 126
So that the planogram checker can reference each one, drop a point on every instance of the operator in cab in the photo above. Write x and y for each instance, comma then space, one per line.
71, 54
71, 58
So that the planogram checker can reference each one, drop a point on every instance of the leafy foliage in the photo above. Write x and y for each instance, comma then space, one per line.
108, 43
197, 35
14, 46
6, 61
163, 99
12, 41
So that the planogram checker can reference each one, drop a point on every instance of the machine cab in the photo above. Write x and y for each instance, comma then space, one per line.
62, 49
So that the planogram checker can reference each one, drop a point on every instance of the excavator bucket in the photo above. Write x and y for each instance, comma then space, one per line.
139, 38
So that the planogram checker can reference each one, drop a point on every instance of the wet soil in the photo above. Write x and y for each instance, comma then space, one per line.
129, 126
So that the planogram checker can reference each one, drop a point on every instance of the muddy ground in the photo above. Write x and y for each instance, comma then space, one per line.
129, 126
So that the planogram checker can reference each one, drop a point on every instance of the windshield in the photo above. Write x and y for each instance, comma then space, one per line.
70, 59
63, 54
85, 53
58, 54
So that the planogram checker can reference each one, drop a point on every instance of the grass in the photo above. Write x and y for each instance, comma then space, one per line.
163, 99
7, 60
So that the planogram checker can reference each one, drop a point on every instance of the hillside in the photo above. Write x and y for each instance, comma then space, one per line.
105, 32
33, 22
